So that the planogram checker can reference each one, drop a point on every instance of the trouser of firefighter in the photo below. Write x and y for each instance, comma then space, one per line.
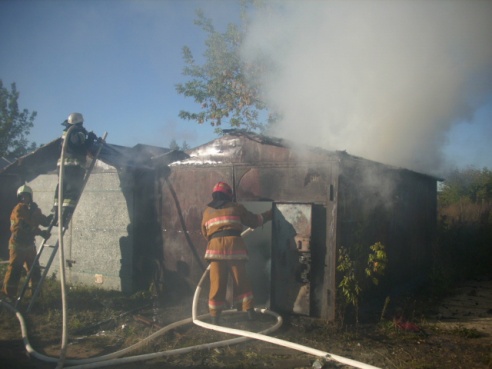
20, 257
73, 178
242, 292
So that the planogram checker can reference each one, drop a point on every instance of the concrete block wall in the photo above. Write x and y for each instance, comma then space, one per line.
98, 242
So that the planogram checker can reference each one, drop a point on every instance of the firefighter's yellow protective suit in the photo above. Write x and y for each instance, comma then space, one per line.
24, 226
227, 253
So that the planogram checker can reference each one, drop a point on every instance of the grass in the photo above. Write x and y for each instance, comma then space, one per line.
103, 321
466, 332
90, 310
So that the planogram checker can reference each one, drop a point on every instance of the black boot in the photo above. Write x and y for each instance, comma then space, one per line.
216, 320
251, 314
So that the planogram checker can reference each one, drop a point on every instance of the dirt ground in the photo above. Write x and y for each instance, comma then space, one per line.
456, 333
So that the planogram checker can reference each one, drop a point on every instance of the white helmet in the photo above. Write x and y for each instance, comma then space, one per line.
75, 118
24, 189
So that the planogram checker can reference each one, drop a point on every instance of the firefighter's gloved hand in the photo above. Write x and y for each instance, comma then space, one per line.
50, 218
267, 216
33, 206
91, 137
45, 234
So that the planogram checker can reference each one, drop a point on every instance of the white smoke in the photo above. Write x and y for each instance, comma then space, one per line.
385, 80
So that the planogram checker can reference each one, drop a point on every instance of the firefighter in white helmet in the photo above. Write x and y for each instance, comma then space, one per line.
25, 220
79, 143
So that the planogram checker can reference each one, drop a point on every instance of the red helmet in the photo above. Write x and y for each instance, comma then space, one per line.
223, 187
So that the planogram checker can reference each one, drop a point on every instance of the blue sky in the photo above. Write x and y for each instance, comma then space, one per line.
117, 62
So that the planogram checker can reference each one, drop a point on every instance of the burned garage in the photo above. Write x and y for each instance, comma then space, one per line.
321, 200
138, 220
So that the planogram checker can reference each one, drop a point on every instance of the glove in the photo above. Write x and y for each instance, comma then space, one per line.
33, 206
91, 137
267, 216
50, 218
45, 234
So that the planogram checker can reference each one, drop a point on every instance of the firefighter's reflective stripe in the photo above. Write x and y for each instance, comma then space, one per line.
69, 203
230, 217
244, 298
72, 162
216, 305
232, 220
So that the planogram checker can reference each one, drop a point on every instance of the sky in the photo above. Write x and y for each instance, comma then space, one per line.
406, 83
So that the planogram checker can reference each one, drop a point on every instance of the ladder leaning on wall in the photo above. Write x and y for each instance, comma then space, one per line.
54, 248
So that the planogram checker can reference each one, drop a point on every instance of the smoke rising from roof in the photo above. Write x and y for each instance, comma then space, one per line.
385, 80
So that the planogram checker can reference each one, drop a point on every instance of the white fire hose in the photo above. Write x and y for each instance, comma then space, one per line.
64, 341
258, 336
114, 358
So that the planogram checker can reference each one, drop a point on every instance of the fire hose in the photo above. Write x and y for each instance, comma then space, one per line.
64, 341
115, 357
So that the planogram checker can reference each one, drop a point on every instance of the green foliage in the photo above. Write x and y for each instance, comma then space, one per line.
350, 284
15, 124
376, 262
173, 145
227, 89
470, 184
353, 279
464, 232
466, 332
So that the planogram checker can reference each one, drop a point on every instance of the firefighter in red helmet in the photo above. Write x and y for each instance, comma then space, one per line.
222, 224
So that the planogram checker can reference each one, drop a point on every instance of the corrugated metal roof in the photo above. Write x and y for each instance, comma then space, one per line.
44, 159
4, 162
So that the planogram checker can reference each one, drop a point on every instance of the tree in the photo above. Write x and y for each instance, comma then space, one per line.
15, 124
353, 278
464, 232
227, 89
173, 145
469, 184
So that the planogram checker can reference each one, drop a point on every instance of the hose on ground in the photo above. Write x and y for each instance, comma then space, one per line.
258, 336
115, 359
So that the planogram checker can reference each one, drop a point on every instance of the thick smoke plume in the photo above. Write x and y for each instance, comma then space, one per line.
385, 80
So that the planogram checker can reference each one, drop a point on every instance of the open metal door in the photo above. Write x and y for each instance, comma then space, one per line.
291, 258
